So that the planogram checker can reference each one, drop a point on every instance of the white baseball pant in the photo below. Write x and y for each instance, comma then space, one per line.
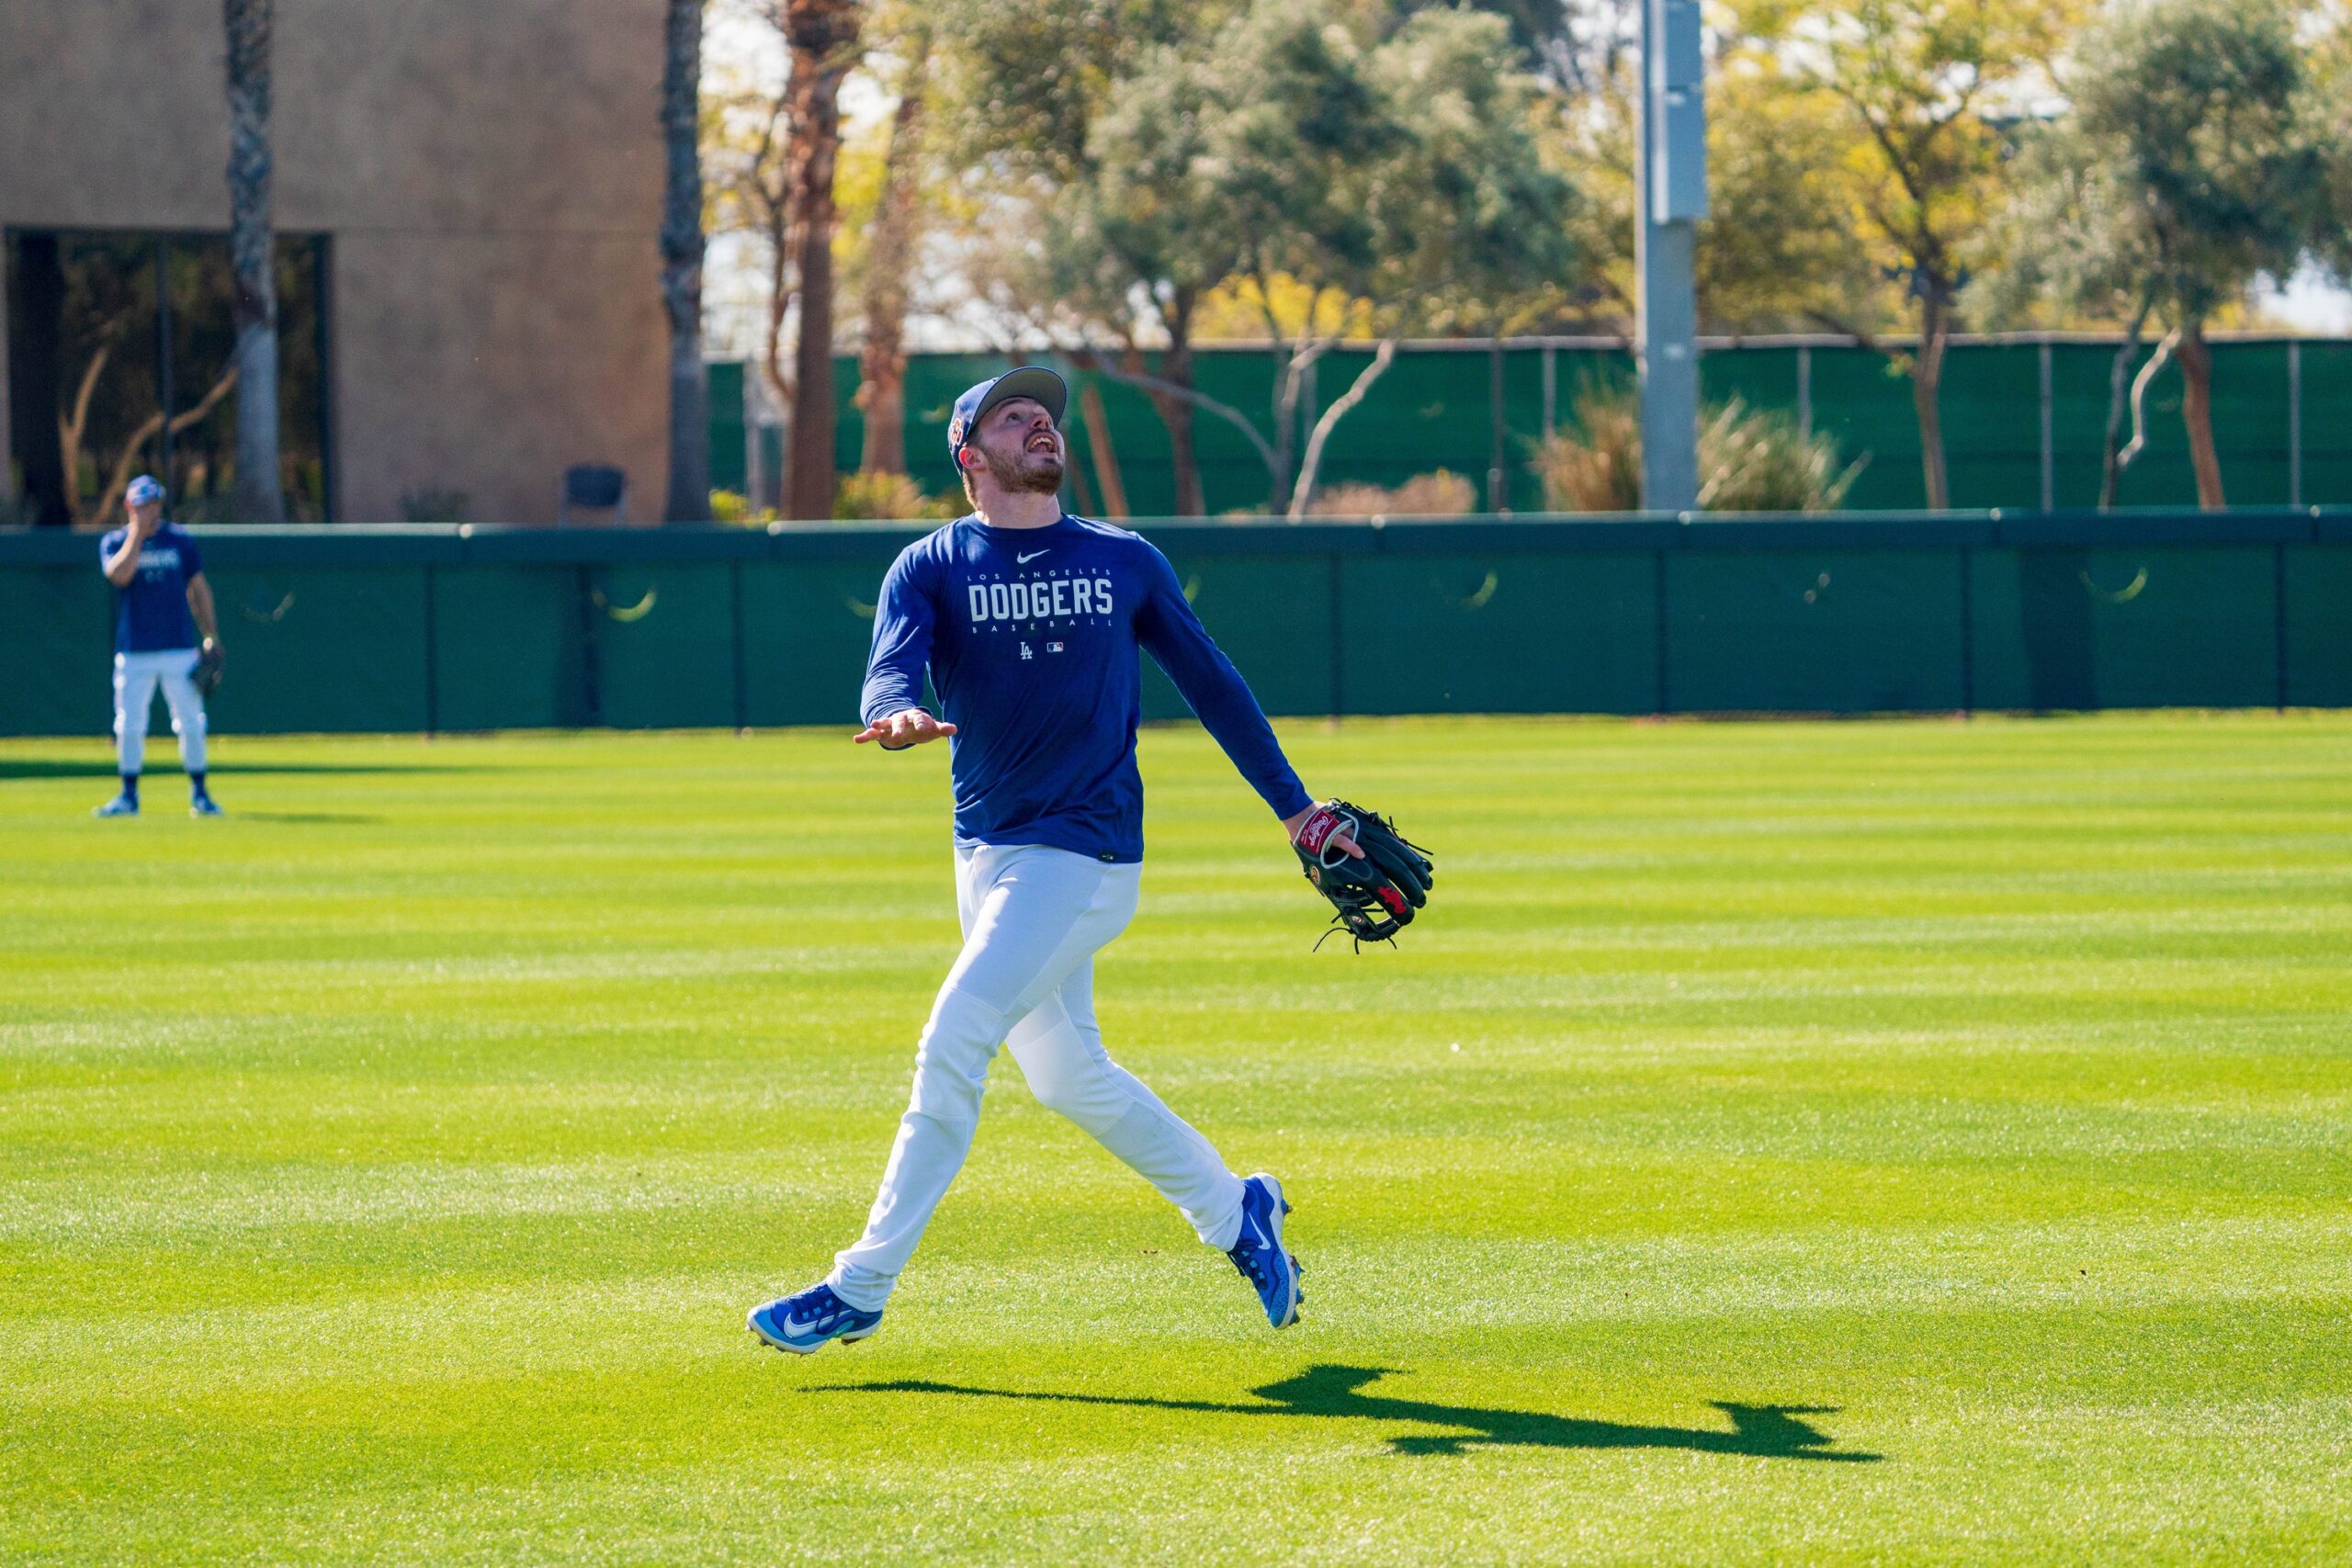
136, 676
1033, 918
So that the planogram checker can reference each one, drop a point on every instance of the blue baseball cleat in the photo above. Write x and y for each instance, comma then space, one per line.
120, 805
1259, 1253
202, 806
812, 1320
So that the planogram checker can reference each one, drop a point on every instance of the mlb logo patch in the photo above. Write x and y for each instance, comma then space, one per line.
1053, 647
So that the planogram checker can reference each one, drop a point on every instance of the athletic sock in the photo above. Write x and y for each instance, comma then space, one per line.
196, 786
130, 786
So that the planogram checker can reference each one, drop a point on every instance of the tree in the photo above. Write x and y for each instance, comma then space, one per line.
1350, 190
744, 179
1298, 135
2066, 240
1091, 211
1777, 251
2326, 115
1135, 157
2186, 168
1922, 82
1777, 248
891, 238
1467, 218
1143, 235
823, 37
681, 258
252, 261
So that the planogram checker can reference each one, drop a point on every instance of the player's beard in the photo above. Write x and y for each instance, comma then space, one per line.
1025, 472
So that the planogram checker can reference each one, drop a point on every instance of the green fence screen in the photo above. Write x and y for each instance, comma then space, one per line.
1438, 408
468, 629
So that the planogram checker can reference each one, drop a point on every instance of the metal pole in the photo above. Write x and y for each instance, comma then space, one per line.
1551, 389
1672, 194
1498, 494
2049, 452
2295, 422
1804, 391
755, 458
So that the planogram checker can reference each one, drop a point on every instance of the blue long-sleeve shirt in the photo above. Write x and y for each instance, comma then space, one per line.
1030, 636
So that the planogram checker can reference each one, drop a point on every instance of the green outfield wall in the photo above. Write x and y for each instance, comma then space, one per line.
468, 628
2024, 419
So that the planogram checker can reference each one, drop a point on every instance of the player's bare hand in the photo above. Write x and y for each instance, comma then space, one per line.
908, 727
1292, 824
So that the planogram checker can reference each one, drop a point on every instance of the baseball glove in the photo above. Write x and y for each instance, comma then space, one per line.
1375, 897
207, 673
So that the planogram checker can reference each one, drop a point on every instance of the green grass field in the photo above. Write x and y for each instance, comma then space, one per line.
1783, 1143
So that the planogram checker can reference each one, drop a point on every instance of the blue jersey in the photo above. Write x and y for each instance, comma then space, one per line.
1030, 637
152, 614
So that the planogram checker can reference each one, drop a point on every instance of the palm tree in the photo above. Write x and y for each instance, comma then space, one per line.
890, 245
252, 261
823, 39
682, 254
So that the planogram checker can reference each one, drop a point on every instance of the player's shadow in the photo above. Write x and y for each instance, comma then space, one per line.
1335, 1393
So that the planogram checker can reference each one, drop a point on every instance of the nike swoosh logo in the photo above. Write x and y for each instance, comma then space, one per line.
1033, 555
801, 1324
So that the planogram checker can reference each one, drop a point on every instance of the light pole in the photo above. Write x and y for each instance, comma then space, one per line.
1670, 190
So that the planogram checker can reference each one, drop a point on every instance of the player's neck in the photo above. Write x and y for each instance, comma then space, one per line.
1027, 509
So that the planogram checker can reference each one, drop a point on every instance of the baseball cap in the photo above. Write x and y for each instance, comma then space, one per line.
1028, 382
144, 489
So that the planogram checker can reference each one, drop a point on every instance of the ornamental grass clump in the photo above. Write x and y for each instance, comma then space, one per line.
1749, 459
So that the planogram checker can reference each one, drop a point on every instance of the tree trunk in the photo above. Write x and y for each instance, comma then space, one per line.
1175, 412
36, 368
823, 37
1927, 388
2195, 358
682, 256
776, 223
260, 497
882, 362
1106, 456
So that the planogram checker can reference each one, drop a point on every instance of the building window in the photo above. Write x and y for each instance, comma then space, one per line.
117, 345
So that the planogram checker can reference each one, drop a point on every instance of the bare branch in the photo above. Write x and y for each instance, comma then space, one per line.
1304, 492
2140, 384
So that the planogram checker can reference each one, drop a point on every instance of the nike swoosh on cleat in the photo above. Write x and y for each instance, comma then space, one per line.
1033, 555
801, 1325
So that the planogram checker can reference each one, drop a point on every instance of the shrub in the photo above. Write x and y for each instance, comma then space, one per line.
1749, 459
734, 510
1441, 494
1758, 461
889, 497
1597, 465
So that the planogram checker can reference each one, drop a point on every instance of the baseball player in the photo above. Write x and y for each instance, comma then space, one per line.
161, 604
1027, 621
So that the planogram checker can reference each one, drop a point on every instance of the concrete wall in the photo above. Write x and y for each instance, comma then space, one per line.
490, 171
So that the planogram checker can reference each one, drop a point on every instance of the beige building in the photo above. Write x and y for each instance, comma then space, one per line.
477, 185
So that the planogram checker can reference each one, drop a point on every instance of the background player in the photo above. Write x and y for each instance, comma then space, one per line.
161, 603
1028, 621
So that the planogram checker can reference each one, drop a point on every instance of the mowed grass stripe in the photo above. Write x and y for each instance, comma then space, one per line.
1888, 1142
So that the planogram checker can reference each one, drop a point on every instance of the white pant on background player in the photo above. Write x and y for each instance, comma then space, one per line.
1033, 918
136, 676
